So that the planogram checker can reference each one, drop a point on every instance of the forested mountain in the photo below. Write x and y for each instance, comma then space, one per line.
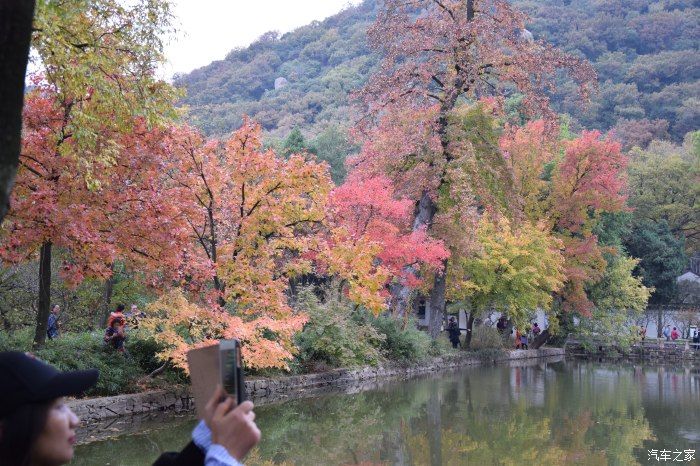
321, 63
645, 53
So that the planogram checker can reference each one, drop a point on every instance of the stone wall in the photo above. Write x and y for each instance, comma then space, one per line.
263, 391
649, 350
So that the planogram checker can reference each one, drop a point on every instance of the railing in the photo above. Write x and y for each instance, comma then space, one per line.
661, 343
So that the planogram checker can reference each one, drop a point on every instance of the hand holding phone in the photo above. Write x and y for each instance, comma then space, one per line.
232, 427
231, 372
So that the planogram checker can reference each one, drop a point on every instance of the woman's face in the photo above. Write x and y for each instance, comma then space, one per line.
55, 443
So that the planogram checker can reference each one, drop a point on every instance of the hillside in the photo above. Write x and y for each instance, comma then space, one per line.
645, 53
322, 62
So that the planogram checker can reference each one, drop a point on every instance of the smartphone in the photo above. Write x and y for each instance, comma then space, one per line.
232, 369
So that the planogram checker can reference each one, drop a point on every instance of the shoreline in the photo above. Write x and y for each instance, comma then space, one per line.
106, 417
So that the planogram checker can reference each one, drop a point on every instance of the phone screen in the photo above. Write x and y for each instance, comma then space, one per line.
229, 372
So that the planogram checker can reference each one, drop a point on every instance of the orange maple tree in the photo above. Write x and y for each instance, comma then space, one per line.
118, 210
254, 218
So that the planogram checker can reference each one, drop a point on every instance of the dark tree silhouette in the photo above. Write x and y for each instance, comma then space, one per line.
15, 36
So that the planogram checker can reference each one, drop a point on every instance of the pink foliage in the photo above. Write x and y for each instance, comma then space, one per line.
116, 208
368, 210
590, 178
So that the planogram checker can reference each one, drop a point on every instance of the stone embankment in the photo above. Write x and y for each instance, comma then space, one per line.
269, 390
649, 350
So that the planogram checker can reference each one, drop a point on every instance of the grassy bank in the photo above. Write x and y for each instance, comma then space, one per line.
334, 337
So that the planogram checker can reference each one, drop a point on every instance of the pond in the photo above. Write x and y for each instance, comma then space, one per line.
548, 413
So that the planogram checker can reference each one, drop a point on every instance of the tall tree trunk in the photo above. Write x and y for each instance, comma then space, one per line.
659, 322
42, 315
15, 35
437, 302
107, 300
218, 284
470, 328
401, 292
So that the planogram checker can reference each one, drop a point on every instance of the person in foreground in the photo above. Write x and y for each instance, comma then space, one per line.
37, 428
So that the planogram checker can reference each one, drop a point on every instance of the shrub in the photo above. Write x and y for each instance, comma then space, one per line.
81, 351
408, 345
119, 373
143, 350
335, 335
486, 338
16, 340
441, 346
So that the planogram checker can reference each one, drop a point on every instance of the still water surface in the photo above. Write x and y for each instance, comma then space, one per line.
549, 413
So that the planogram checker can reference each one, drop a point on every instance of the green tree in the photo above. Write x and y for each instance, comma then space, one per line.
333, 146
618, 299
101, 57
294, 144
513, 270
665, 185
661, 257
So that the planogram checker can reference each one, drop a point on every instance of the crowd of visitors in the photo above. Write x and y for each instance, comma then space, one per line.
522, 338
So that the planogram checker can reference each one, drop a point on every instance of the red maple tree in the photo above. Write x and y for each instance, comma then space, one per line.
437, 53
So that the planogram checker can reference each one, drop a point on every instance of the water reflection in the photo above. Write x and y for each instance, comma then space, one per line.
557, 413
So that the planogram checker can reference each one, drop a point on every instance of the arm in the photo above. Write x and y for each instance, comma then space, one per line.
233, 432
191, 455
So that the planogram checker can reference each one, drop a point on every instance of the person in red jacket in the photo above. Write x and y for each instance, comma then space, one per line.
118, 314
675, 334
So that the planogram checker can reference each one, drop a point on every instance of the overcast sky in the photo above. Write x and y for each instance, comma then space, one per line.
209, 29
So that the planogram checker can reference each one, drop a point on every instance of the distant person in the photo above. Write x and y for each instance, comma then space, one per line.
133, 316
52, 328
517, 338
642, 333
37, 428
523, 341
136, 312
675, 334
115, 335
453, 332
502, 324
536, 329
696, 339
118, 314
667, 332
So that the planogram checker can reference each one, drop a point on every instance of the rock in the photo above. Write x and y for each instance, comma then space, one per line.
280, 82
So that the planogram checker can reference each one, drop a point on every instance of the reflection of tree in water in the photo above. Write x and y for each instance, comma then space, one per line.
341, 429
486, 416
598, 415
562, 414
670, 422
570, 428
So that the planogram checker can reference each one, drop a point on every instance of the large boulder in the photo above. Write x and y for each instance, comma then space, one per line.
280, 82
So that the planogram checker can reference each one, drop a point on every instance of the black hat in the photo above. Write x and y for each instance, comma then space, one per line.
25, 379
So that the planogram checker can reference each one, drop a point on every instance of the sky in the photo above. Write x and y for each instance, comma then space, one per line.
209, 29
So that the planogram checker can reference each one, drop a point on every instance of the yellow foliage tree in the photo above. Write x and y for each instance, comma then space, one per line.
514, 270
